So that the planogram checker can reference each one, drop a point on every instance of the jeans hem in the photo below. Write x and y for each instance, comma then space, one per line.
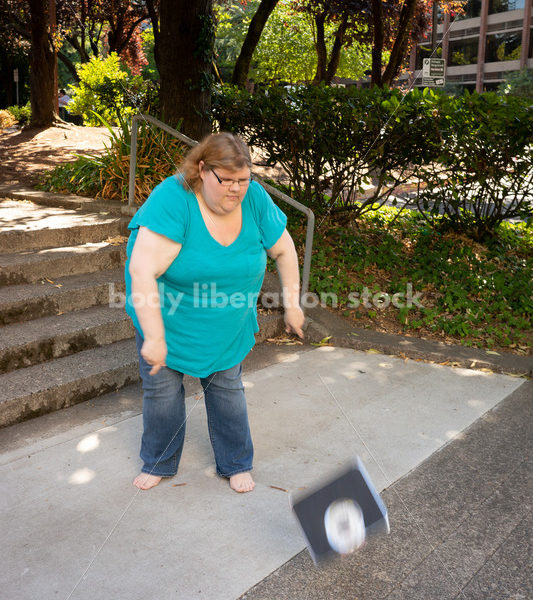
151, 472
234, 472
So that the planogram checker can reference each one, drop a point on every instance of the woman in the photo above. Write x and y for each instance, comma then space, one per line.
196, 262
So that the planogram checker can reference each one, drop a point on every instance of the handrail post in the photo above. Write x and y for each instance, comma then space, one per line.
133, 161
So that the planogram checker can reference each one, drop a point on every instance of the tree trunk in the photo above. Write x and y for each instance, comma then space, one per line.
377, 46
335, 57
184, 59
79, 46
154, 18
255, 29
42, 67
399, 49
321, 50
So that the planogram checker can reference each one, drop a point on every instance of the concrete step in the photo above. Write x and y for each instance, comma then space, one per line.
66, 381
26, 344
28, 226
32, 342
17, 192
32, 301
36, 265
42, 388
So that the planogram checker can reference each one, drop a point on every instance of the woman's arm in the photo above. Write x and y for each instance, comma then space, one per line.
151, 256
284, 253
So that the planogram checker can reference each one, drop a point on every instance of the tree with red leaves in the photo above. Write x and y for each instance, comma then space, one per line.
389, 25
113, 23
86, 25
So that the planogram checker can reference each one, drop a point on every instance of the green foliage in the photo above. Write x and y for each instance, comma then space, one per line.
478, 294
65, 77
483, 172
108, 89
106, 175
101, 90
334, 141
232, 24
518, 83
22, 114
346, 149
81, 177
148, 43
286, 50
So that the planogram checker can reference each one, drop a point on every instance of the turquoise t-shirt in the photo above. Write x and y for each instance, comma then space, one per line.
208, 295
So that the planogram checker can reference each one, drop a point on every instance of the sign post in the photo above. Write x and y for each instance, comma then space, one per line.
16, 80
433, 72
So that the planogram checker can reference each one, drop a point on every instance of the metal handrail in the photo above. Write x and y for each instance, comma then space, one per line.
130, 209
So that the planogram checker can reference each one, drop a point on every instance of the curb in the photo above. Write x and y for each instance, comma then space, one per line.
322, 324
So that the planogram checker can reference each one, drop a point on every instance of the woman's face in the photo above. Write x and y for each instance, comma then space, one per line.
223, 190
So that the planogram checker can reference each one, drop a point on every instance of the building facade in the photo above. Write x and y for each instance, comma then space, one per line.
491, 39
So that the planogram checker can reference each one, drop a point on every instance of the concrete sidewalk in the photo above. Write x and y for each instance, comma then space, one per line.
75, 527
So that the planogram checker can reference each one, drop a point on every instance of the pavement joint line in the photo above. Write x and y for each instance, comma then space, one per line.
495, 551
389, 483
135, 494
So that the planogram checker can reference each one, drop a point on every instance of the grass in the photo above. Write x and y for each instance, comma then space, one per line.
475, 294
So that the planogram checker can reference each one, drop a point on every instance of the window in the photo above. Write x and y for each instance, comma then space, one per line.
425, 51
463, 52
503, 46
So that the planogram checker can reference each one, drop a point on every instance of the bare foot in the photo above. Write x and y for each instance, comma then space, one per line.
145, 481
242, 482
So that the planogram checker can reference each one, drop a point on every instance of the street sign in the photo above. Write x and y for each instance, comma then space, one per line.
433, 72
15, 74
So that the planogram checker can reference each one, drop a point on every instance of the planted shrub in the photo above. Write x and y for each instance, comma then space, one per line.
470, 156
22, 114
333, 141
483, 174
106, 175
108, 89
6, 119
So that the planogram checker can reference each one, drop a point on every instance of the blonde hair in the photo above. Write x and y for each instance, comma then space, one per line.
219, 150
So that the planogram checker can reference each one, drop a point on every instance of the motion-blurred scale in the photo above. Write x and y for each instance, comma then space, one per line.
339, 515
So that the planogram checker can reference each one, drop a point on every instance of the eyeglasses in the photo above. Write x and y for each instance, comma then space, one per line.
229, 182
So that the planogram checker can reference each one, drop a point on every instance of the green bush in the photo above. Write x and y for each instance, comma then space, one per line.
21, 113
470, 157
106, 175
333, 140
108, 89
484, 171
518, 83
478, 294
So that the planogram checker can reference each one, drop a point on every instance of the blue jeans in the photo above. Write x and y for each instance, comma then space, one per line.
164, 419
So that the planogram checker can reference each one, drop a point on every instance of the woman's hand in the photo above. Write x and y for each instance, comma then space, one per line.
294, 321
154, 353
